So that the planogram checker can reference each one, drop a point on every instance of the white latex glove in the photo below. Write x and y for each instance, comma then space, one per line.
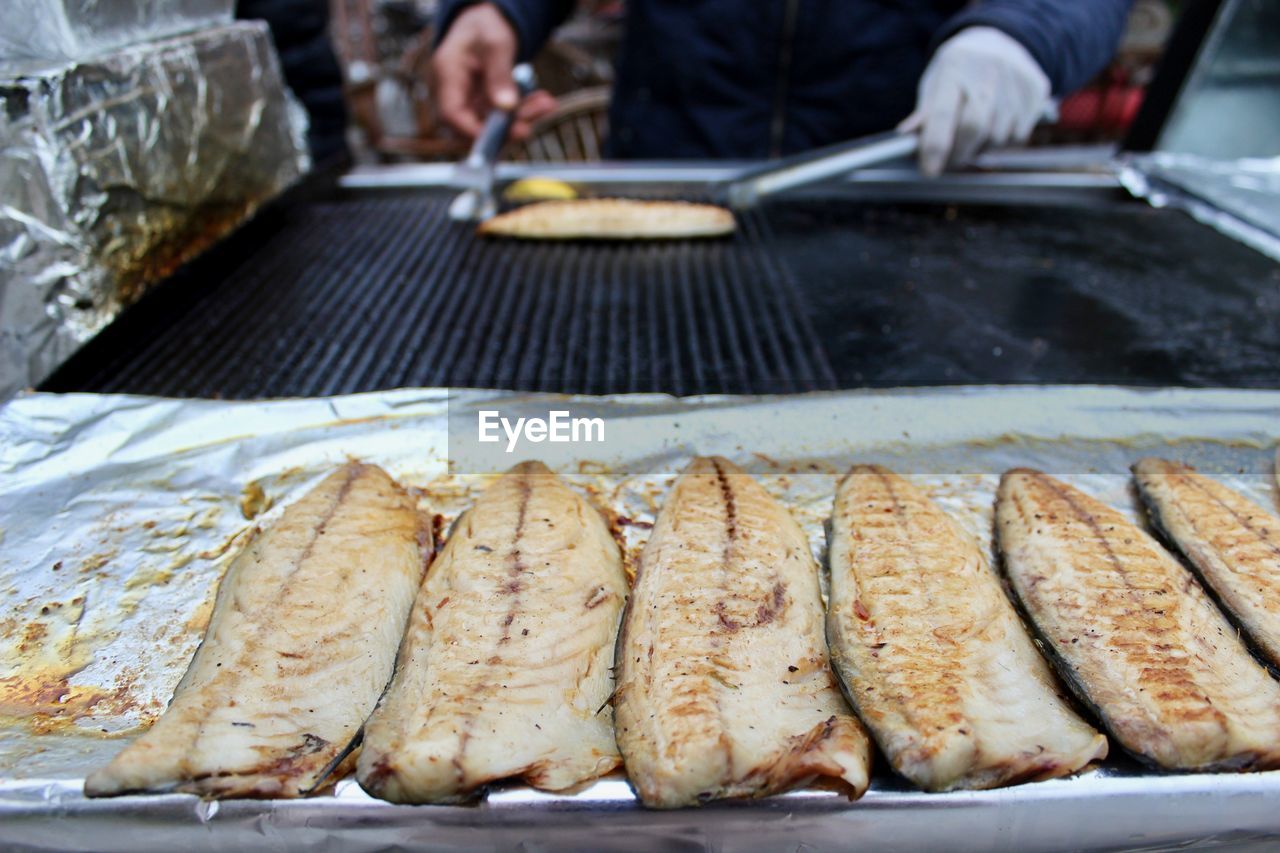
981, 88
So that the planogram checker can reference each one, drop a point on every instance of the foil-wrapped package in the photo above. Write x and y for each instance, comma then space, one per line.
71, 29
118, 168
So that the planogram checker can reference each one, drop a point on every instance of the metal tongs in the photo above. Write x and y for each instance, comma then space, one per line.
474, 175
751, 186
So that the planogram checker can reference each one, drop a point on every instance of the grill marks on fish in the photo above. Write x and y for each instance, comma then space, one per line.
725, 689
766, 607
491, 673
883, 604
931, 652
1138, 631
311, 609
1133, 633
1232, 543
720, 668
504, 671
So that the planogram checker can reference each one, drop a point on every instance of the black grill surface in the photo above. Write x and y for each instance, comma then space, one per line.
384, 292
1110, 292
379, 291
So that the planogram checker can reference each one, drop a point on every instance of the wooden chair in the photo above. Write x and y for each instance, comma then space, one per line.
574, 133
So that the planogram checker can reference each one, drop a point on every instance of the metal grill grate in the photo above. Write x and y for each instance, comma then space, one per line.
383, 292
380, 291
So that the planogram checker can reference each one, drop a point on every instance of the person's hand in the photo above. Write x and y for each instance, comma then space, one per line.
471, 74
981, 88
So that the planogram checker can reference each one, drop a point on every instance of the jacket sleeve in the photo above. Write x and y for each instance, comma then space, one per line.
533, 20
1071, 39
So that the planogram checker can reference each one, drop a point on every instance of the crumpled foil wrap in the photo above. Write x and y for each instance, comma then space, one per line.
118, 515
1239, 198
117, 169
71, 29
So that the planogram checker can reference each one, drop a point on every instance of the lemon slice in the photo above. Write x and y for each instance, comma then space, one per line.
539, 189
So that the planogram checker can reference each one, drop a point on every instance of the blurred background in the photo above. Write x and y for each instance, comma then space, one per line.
384, 46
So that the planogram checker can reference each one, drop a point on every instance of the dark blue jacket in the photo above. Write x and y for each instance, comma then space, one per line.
760, 78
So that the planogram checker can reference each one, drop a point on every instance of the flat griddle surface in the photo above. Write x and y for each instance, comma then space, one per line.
375, 291
1111, 293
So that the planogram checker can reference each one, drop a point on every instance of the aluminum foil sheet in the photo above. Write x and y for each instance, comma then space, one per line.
71, 29
117, 169
1239, 198
118, 515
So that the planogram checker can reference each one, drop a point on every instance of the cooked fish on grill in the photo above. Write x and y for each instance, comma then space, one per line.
932, 654
300, 645
1232, 543
724, 686
1133, 632
611, 219
505, 669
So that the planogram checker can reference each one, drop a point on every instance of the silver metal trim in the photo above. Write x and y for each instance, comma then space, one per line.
654, 173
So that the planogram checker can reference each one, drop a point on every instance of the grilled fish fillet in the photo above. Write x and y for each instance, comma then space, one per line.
1133, 632
505, 669
610, 219
301, 643
1232, 543
724, 687
931, 652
